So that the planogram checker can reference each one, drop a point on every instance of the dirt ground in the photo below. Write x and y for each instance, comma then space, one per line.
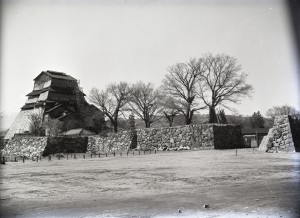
155, 185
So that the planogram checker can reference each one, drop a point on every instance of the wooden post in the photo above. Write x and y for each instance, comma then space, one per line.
37, 159
84, 156
114, 153
256, 135
23, 159
99, 154
91, 155
15, 159
3, 160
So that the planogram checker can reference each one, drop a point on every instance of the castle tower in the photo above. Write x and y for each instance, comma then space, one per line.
55, 95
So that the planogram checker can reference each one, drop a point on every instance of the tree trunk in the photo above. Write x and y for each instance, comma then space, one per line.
147, 124
170, 118
212, 115
188, 115
115, 125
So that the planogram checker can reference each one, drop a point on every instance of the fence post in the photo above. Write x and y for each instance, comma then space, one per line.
99, 155
91, 155
84, 156
114, 153
3, 160
23, 159
37, 159
15, 159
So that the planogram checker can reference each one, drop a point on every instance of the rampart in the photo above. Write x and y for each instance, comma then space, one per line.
29, 146
283, 136
120, 141
205, 136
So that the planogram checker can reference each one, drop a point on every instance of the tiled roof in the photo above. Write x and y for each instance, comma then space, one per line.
57, 75
28, 106
37, 92
79, 131
255, 130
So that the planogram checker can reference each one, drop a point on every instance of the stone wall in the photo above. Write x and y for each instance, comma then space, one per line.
295, 130
120, 141
66, 145
25, 146
30, 146
228, 137
280, 137
21, 124
206, 136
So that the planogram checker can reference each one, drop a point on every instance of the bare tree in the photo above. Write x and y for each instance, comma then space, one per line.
53, 127
170, 108
180, 83
222, 82
145, 102
36, 123
281, 110
111, 101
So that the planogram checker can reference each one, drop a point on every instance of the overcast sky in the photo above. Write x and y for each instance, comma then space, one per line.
99, 42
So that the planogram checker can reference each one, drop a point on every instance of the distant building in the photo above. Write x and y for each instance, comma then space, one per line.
253, 136
56, 95
77, 132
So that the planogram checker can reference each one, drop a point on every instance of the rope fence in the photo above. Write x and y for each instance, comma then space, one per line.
72, 156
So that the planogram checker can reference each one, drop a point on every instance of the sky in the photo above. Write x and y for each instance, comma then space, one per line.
99, 42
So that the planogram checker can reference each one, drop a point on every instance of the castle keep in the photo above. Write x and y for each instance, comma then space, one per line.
56, 95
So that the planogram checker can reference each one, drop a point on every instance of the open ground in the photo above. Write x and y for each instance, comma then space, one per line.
251, 184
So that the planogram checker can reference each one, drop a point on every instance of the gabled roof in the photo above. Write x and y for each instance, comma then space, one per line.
255, 130
56, 75
79, 131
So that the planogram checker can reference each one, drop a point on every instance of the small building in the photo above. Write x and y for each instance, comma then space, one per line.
77, 132
253, 136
